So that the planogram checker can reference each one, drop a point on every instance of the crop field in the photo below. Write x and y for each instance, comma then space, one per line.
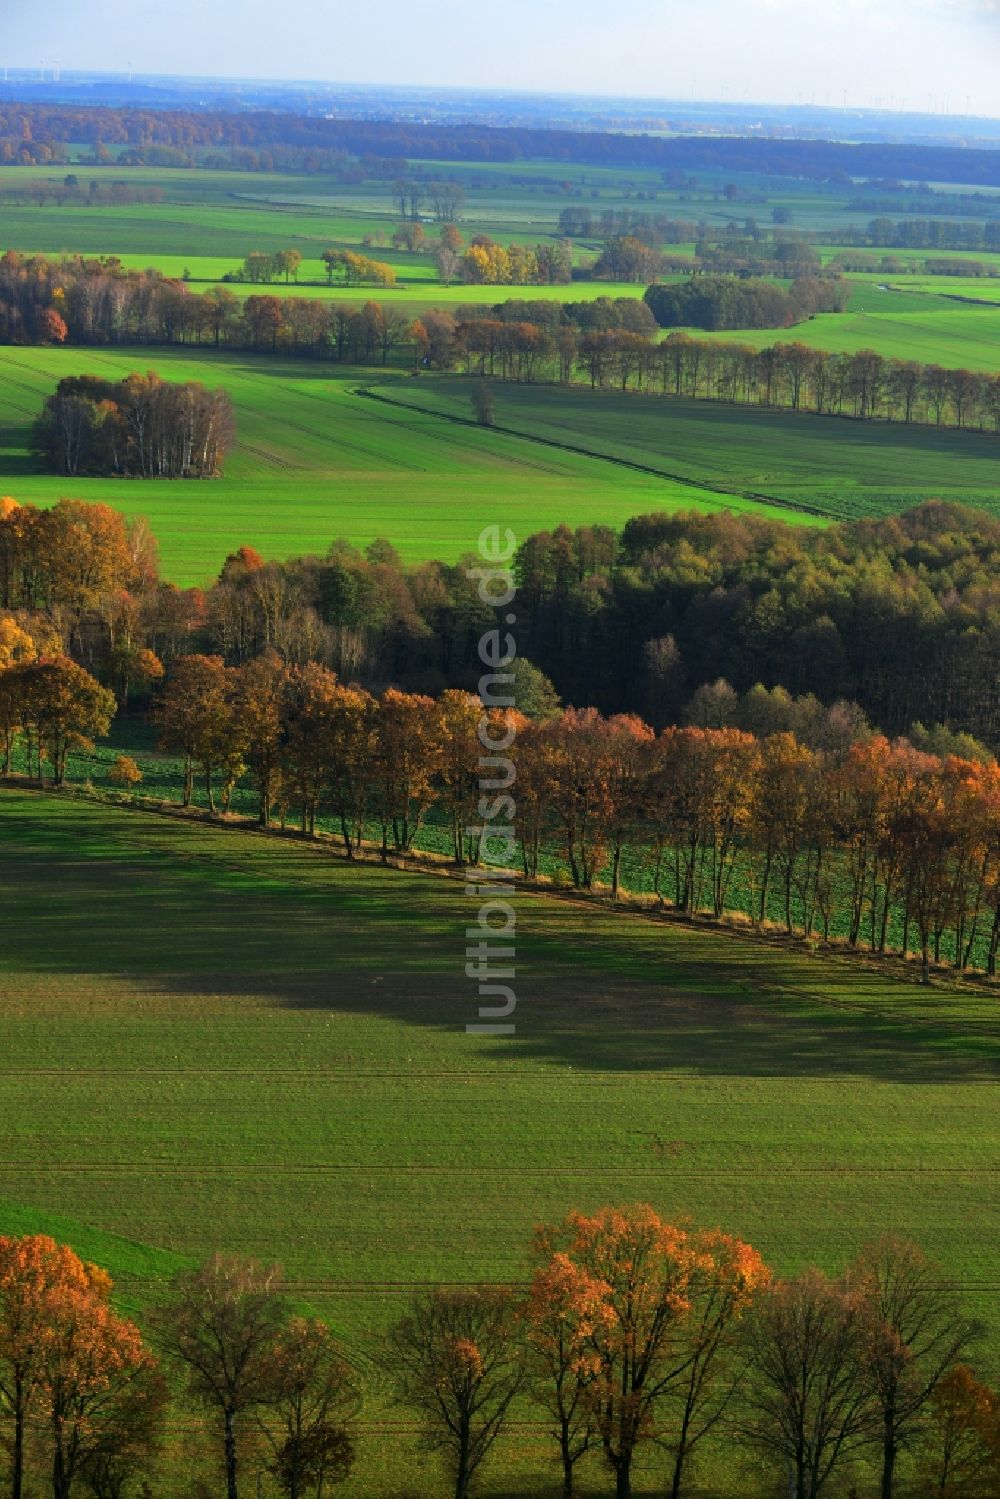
510, 200
900, 325
217, 1040
835, 466
315, 461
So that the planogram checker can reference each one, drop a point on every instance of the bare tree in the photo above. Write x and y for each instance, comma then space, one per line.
484, 404
446, 200
223, 1327
457, 1360
807, 1404
917, 1330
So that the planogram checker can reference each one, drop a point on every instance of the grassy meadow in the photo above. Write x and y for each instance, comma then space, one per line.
315, 461
824, 465
217, 1040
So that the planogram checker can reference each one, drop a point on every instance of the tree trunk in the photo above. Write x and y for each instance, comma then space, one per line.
888, 1463
230, 1432
17, 1456
462, 1472
60, 1477
567, 1466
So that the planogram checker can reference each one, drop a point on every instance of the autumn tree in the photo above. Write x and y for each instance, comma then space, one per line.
407, 755
726, 1277
564, 1308
483, 404
124, 772
67, 707
260, 710
33, 1270
194, 717
287, 262
627, 754
577, 778
311, 700
916, 1332
350, 747
223, 1328
456, 1359
100, 1384
16, 644
460, 715
960, 1449
311, 1403
636, 1345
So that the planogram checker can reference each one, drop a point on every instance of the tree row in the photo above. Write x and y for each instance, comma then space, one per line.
634, 1340
892, 847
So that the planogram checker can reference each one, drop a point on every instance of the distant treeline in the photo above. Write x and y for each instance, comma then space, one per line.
920, 234
139, 427
612, 349
608, 341
21, 125
71, 191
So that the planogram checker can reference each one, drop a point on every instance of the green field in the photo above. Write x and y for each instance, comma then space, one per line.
826, 464
216, 1040
931, 330
315, 461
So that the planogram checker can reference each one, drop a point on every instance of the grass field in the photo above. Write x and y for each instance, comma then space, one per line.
834, 465
931, 330
315, 461
217, 1040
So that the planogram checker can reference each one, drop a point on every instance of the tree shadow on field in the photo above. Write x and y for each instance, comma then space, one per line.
196, 911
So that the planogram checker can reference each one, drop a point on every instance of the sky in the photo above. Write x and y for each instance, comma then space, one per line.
918, 54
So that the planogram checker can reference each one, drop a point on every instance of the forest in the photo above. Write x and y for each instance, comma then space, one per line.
714, 302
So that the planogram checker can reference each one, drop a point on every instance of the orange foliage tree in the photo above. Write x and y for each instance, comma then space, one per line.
960, 1453
645, 1314
312, 1403
63, 1349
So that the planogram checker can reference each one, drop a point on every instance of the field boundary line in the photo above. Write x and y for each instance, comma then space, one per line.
754, 496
